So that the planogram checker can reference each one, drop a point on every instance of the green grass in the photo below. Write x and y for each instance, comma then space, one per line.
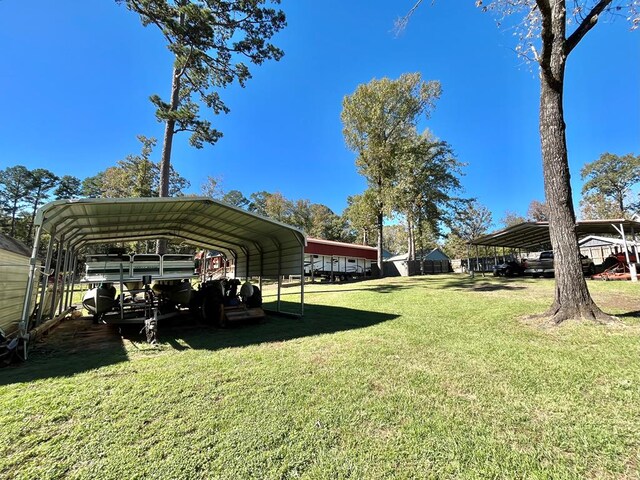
424, 377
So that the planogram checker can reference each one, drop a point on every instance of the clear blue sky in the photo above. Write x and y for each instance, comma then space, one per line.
76, 77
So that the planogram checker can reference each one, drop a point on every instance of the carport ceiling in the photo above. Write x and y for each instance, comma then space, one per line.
262, 246
533, 235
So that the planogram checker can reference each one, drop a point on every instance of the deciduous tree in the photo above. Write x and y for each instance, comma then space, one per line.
538, 211
361, 215
377, 118
512, 218
609, 180
549, 32
426, 185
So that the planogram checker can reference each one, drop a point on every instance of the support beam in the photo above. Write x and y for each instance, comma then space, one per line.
45, 277
33, 264
54, 296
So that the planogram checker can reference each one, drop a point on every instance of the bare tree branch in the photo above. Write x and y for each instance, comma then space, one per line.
587, 24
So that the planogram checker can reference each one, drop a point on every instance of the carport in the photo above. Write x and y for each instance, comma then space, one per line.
261, 248
529, 236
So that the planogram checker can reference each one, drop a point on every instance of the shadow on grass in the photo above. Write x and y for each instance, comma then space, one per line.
65, 353
483, 284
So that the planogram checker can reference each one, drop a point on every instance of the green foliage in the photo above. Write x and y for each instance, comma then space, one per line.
361, 216
68, 187
395, 239
135, 176
609, 183
235, 198
15, 185
596, 206
377, 119
430, 377
91, 187
42, 181
210, 41
424, 190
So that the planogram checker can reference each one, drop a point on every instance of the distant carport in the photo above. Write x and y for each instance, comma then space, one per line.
534, 235
259, 246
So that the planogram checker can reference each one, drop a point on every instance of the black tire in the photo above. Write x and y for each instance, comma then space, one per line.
592, 269
256, 299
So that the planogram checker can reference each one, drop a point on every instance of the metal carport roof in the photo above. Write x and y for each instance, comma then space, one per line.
532, 235
261, 247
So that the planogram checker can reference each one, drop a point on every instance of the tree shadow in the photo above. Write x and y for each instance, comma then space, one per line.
67, 352
483, 284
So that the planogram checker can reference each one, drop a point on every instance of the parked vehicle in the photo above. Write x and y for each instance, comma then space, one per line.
544, 265
508, 269
336, 267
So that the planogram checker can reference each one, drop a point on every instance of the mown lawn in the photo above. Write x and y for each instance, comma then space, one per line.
427, 377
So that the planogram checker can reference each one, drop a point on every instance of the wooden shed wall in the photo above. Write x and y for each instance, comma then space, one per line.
14, 273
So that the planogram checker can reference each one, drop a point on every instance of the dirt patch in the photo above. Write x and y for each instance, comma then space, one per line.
79, 334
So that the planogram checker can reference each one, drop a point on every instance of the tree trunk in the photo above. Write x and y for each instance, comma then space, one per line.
165, 161
380, 266
33, 214
14, 212
411, 248
572, 298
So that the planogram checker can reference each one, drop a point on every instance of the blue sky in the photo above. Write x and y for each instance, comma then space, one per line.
77, 77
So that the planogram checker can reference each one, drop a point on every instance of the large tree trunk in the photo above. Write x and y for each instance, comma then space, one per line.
165, 161
572, 298
411, 240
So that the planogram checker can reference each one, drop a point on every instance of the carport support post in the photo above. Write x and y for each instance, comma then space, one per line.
302, 280
65, 284
279, 277
24, 321
45, 276
54, 297
632, 266
73, 280
635, 244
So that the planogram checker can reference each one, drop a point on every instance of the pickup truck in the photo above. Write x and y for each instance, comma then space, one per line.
544, 265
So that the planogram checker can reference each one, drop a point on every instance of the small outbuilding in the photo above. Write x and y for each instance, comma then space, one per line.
435, 261
14, 273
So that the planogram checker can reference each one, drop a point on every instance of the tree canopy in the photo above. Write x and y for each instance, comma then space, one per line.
377, 120
608, 183
210, 40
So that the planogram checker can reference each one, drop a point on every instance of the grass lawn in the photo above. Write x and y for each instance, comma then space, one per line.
423, 377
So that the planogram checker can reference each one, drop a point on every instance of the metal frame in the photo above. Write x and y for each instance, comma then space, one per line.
529, 235
202, 222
